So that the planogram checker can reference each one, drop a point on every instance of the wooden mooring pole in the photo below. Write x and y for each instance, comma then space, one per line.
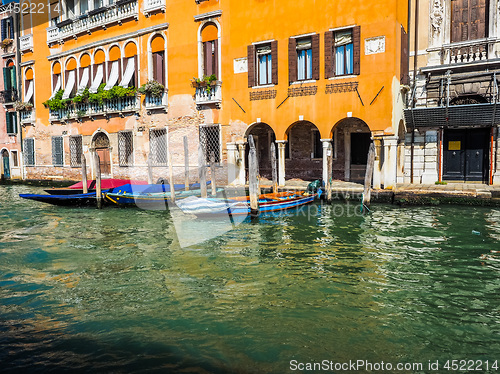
84, 174
186, 164
170, 171
329, 155
150, 169
98, 193
212, 174
202, 172
369, 176
273, 168
253, 179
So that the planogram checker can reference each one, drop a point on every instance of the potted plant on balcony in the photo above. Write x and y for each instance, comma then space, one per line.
207, 82
6, 43
20, 106
152, 88
82, 97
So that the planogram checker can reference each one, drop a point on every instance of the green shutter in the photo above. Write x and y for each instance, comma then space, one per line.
8, 122
13, 77
6, 78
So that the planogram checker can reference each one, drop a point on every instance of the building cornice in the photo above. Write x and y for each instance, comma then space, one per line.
100, 43
204, 16
26, 63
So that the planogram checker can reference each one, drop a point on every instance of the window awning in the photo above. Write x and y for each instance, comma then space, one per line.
69, 84
113, 76
343, 38
263, 50
472, 115
57, 87
304, 44
29, 92
84, 81
129, 72
98, 79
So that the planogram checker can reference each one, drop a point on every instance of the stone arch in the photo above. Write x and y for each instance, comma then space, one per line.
303, 151
264, 138
101, 145
100, 140
468, 100
207, 25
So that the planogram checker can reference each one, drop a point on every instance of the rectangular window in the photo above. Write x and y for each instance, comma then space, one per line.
84, 6
70, 8
210, 140
126, 148
7, 25
75, 150
210, 56
29, 152
57, 151
15, 160
343, 52
469, 20
304, 59
9, 78
317, 145
158, 146
11, 122
264, 64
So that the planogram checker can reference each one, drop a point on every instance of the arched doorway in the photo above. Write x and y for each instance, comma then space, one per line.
264, 138
304, 151
100, 143
5, 164
351, 141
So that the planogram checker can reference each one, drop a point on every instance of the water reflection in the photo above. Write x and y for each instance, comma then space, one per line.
116, 289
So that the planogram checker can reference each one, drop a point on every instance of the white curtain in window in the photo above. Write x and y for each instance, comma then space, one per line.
263, 69
84, 81
69, 84
113, 76
349, 59
29, 92
98, 78
343, 37
339, 60
129, 72
309, 63
57, 87
301, 65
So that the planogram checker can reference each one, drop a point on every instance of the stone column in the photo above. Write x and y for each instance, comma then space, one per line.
326, 143
390, 161
430, 174
376, 165
281, 162
496, 156
241, 177
232, 164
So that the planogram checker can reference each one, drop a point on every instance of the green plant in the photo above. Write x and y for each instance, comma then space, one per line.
438, 182
55, 102
6, 43
82, 97
97, 97
207, 81
80, 113
152, 88
20, 106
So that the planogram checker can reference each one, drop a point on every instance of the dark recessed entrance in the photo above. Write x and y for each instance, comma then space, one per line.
465, 155
360, 144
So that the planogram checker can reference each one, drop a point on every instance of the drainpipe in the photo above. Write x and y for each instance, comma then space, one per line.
415, 48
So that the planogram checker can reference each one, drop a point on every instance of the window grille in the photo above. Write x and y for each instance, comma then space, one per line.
158, 146
210, 140
75, 150
57, 151
29, 152
126, 148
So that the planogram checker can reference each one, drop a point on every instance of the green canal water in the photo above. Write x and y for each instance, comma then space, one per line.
83, 290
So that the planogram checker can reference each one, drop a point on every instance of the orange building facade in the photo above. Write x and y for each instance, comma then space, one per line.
298, 76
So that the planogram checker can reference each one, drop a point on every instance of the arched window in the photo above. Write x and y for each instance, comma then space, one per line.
98, 75
29, 88
56, 78
70, 78
129, 78
210, 49
158, 59
84, 73
114, 70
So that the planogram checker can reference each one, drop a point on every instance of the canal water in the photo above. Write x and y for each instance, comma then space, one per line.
115, 290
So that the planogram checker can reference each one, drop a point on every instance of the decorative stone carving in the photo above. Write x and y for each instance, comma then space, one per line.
375, 45
437, 16
240, 65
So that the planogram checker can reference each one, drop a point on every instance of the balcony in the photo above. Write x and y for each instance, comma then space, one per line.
79, 111
463, 52
26, 43
27, 116
151, 6
99, 18
8, 96
152, 102
209, 95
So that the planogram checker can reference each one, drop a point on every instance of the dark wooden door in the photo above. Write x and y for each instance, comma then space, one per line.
104, 160
6, 167
465, 155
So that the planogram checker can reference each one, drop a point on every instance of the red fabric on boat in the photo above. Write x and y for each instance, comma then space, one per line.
107, 183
